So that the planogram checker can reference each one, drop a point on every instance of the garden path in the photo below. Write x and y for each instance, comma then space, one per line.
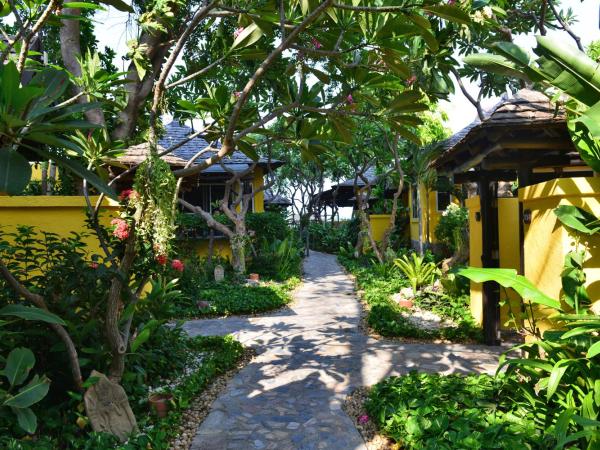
311, 356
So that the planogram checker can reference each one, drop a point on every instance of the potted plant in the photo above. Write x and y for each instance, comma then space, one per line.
160, 403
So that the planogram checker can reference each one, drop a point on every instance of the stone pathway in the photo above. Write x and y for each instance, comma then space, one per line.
311, 356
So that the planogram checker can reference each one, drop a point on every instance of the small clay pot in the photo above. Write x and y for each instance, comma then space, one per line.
405, 303
254, 276
160, 403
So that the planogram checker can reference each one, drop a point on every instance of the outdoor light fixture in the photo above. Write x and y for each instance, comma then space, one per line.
527, 216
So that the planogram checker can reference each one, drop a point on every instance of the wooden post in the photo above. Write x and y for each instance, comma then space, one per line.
489, 258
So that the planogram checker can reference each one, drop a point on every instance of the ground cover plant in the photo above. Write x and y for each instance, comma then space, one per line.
430, 411
380, 281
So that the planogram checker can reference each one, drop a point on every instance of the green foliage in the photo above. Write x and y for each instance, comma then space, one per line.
270, 226
451, 227
19, 396
328, 238
228, 299
156, 184
31, 120
428, 411
418, 271
278, 259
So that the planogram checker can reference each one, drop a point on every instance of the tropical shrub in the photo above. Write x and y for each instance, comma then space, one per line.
269, 225
450, 230
380, 281
328, 238
418, 271
278, 259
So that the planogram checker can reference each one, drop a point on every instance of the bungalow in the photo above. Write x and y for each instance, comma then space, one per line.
66, 214
522, 164
343, 194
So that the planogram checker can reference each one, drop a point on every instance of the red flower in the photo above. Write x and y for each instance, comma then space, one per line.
161, 259
316, 43
128, 194
93, 265
121, 230
177, 265
237, 94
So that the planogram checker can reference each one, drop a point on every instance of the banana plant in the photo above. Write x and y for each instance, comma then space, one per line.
32, 121
565, 68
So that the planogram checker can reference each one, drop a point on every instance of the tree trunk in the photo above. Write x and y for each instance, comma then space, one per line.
238, 253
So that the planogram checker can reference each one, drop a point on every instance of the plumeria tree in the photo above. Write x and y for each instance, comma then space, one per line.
319, 66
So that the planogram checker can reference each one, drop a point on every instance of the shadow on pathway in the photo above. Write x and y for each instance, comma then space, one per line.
310, 358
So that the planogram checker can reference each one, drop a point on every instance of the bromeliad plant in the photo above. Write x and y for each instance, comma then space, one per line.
418, 271
559, 376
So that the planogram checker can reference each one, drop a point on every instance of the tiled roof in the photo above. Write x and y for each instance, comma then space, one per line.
369, 175
176, 132
274, 199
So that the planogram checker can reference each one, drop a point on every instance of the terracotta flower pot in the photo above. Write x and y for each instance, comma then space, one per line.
160, 403
405, 303
254, 276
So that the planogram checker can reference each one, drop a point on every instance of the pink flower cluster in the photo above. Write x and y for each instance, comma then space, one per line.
128, 194
363, 419
237, 32
349, 99
121, 230
93, 265
410, 81
316, 43
161, 259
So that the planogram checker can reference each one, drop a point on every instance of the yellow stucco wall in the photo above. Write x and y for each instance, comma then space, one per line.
53, 214
547, 241
428, 210
509, 252
379, 223
475, 250
65, 214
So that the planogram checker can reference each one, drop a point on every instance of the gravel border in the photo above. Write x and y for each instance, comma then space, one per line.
200, 406
354, 407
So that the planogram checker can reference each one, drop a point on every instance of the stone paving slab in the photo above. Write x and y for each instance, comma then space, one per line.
311, 356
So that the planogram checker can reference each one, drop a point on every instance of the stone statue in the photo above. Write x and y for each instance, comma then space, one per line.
108, 408
219, 273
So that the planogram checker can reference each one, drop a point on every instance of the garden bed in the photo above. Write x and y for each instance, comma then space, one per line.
384, 318
430, 411
228, 298
193, 385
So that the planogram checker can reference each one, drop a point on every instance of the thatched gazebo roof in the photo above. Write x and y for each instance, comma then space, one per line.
526, 130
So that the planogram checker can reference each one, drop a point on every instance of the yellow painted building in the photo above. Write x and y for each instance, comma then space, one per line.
64, 215
427, 208
379, 225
